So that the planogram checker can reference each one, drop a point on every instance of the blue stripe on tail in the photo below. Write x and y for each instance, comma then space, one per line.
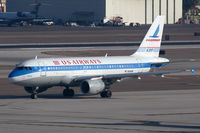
155, 35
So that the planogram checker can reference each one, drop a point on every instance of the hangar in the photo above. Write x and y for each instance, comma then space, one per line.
141, 11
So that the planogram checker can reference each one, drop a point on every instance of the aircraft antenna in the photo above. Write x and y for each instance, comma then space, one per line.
106, 55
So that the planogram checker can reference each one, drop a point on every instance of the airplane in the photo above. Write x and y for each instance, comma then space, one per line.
11, 18
94, 75
23, 17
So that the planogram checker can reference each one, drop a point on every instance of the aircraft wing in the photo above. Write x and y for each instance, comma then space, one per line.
183, 60
128, 75
157, 73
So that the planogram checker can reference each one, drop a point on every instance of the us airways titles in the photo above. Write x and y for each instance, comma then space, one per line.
75, 62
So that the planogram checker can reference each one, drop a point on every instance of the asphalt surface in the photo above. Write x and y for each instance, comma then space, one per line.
153, 104
61, 34
127, 112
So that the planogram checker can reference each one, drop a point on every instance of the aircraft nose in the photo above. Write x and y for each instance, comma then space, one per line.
12, 78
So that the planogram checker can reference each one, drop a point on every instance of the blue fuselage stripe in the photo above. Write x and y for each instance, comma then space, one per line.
20, 72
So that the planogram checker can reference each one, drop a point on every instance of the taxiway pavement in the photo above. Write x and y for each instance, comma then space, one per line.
61, 34
142, 112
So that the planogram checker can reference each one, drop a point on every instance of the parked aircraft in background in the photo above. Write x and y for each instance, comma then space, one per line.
24, 18
11, 18
94, 75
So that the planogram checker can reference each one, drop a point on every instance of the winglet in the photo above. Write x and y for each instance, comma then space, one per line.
194, 71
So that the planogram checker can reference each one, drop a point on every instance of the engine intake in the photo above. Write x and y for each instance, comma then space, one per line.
92, 86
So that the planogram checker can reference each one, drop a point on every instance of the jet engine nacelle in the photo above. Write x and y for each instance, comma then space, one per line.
92, 86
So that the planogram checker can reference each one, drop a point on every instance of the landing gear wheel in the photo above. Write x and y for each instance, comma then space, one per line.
106, 94
68, 93
33, 96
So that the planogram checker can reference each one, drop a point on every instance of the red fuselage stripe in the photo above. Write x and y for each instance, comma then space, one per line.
153, 40
149, 47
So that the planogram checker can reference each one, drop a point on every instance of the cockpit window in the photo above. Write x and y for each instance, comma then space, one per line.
24, 68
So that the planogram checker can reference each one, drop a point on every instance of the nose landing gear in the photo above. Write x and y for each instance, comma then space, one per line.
33, 96
34, 93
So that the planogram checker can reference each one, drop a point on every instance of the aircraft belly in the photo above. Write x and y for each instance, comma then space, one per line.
54, 77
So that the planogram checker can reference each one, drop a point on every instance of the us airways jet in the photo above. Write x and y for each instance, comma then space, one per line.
94, 75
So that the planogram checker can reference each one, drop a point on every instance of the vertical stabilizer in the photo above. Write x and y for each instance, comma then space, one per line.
150, 46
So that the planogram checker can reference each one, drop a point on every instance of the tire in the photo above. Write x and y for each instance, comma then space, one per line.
33, 96
106, 94
103, 94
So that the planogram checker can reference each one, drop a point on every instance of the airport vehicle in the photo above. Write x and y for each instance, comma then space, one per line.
94, 75
42, 21
114, 21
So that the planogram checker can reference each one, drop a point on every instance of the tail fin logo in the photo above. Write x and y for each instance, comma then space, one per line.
154, 36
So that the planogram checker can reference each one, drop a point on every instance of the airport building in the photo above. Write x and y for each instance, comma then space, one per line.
141, 11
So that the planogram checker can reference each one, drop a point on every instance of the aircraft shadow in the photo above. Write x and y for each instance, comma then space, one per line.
51, 96
142, 123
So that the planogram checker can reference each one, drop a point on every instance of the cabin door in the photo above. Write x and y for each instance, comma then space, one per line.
139, 66
42, 69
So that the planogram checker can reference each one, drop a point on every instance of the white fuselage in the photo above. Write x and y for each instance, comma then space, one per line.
62, 71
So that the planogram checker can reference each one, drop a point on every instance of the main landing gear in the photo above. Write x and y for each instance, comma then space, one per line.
68, 93
106, 93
